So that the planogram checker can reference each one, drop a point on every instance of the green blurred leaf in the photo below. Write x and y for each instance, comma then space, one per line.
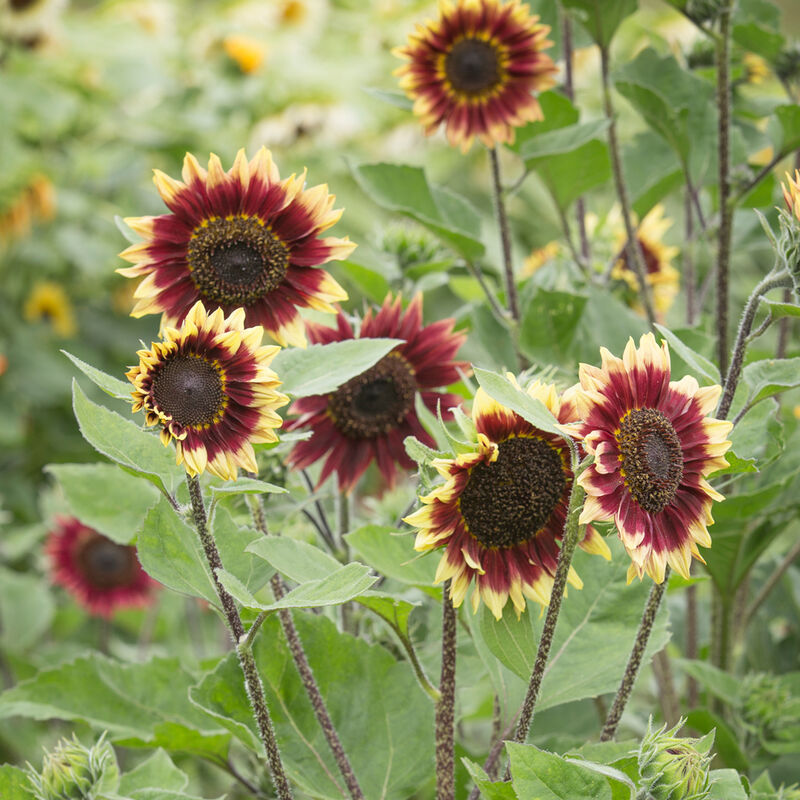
721, 684
157, 771
490, 790
323, 368
14, 784
110, 385
391, 96
26, 609
770, 377
106, 498
596, 629
125, 699
393, 611
788, 117
123, 441
601, 18
509, 395
370, 697
726, 785
247, 486
562, 140
370, 282
406, 190
538, 774
392, 554
652, 170
757, 39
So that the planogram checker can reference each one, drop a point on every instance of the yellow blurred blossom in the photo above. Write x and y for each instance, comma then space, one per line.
756, 69
248, 53
538, 258
48, 302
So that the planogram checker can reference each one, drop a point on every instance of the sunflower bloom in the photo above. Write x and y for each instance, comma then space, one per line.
49, 302
501, 512
662, 277
247, 52
99, 573
241, 238
368, 418
209, 387
474, 69
653, 446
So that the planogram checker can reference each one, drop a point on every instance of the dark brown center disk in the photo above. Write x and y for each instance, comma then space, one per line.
472, 66
188, 388
105, 564
236, 261
652, 458
376, 401
510, 500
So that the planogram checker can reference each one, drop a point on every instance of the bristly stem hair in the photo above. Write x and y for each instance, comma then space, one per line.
445, 708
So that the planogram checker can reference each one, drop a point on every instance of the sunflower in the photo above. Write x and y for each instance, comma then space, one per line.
367, 418
49, 302
653, 445
209, 387
248, 53
474, 68
662, 278
99, 573
501, 513
241, 238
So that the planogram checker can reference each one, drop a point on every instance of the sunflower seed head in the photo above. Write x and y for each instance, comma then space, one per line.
673, 767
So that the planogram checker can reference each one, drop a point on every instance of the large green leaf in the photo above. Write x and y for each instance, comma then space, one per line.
595, 632
371, 699
726, 784
562, 140
601, 18
106, 498
246, 486
123, 441
538, 774
652, 170
157, 771
770, 377
26, 609
490, 790
298, 561
128, 700
323, 368
14, 784
392, 554
122, 390
406, 190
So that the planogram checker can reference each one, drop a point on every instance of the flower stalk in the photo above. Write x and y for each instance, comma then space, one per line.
445, 707
505, 234
635, 660
255, 689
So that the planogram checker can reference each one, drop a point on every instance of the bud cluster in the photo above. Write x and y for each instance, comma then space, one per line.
673, 767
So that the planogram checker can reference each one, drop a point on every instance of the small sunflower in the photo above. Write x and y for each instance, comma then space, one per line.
209, 387
474, 70
99, 573
248, 53
241, 238
662, 277
368, 418
49, 302
653, 446
501, 513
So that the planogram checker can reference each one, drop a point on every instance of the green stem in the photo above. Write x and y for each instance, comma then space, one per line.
635, 660
724, 155
505, 235
633, 247
445, 708
255, 689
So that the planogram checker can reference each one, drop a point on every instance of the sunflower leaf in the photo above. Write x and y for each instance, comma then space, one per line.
247, 486
490, 790
157, 770
392, 554
110, 385
504, 392
14, 784
770, 377
298, 561
697, 363
322, 368
601, 18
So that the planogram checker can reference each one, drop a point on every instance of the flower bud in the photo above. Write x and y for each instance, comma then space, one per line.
73, 772
788, 243
672, 767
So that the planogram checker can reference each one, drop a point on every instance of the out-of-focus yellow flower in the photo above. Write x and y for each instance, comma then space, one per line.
248, 53
294, 12
762, 157
36, 200
662, 277
538, 258
796, 412
49, 302
756, 69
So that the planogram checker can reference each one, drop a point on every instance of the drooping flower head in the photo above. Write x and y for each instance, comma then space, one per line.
209, 387
99, 573
662, 278
367, 418
501, 512
653, 446
474, 69
241, 238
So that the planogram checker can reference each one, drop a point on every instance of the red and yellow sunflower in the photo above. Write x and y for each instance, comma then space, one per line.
367, 419
653, 446
242, 238
99, 573
474, 69
501, 512
209, 387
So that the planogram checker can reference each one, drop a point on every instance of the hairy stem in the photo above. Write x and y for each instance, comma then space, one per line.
689, 277
633, 247
692, 694
784, 328
505, 235
304, 669
635, 660
255, 689
725, 205
445, 708
772, 281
